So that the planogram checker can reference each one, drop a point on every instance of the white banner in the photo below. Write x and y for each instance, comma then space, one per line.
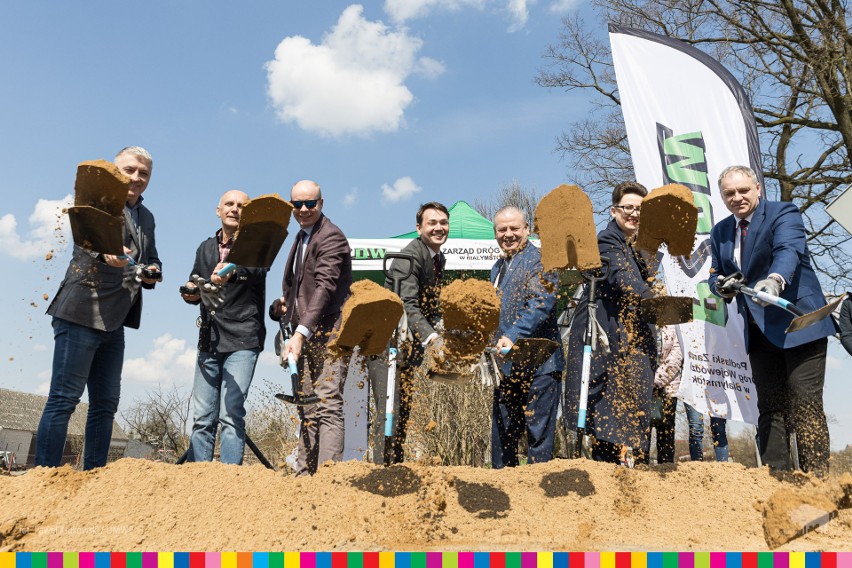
462, 254
687, 119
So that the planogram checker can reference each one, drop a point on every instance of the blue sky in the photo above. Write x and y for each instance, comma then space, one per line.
385, 104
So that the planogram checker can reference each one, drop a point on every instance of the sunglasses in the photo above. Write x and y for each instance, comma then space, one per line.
309, 203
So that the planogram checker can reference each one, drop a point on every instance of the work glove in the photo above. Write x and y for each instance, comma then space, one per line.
726, 285
209, 292
768, 286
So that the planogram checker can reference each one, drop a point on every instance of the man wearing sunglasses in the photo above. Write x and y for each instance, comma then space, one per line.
316, 282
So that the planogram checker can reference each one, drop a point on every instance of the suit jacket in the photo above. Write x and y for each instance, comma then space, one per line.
238, 323
420, 293
845, 321
621, 383
325, 278
527, 307
95, 294
775, 244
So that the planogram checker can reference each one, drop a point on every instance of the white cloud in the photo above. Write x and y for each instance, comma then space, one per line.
49, 231
352, 82
562, 6
168, 361
402, 189
350, 198
519, 12
402, 10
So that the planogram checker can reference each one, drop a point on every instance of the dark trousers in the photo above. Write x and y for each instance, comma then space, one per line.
377, 368
665, 427
524, 403
789, 384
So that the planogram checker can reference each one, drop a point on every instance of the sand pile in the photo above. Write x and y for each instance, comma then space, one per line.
369, 317
565, 223
136, 505
471, 313
669, 215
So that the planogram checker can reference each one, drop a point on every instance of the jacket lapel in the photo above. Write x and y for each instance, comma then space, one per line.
131, 230
753, 229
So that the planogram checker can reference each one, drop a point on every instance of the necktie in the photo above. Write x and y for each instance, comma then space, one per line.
501, 275
743, 231
294, 283
436, 266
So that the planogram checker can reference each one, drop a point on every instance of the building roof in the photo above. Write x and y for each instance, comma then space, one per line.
22, 411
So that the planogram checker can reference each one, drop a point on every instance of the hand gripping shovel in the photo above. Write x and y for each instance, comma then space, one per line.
528, 352
393, 349
292, 388
802, 320
592, 336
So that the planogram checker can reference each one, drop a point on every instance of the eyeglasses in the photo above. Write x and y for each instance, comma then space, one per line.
309, 203
628, 209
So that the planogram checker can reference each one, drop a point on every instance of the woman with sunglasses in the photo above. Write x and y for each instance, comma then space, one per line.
621, 382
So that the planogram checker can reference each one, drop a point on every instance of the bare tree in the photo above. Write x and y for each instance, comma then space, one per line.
794, 59
160, 420
513, 194
272, 426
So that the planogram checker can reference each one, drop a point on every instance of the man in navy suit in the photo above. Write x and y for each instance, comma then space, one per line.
527, 397
765, 240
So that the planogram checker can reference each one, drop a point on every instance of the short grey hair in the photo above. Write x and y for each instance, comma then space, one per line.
744, 170
137, 151
512, 209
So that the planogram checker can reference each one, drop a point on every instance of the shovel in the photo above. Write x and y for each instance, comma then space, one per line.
293, 388
261, 232
528, 352
802, 319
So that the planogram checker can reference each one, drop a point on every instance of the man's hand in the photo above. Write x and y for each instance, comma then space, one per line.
219, 280
726, 286
436, 343
157, 277
118, 261
294, 347
504, 343
277, 309
768, 286
192, 296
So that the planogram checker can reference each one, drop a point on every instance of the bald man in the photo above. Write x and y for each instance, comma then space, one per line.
316, 282
229, 341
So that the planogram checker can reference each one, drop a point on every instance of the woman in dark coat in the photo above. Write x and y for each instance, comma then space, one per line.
621, 383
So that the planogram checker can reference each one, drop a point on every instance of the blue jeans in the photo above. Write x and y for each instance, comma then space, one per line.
219, 392
696, 435
83, 357
524, 403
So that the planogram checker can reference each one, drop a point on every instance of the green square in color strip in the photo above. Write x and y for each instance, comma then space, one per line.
276, 560
513, 560
418, 560
671, 560
70, 559
702, 560
355, 560
765, 559
38, 560
133, 560
450, 560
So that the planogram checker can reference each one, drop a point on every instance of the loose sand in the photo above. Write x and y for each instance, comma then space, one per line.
564, 221
669, 215
369, 317
138, 505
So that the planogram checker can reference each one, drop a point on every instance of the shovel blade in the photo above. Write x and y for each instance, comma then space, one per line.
262, 231
809, 319
93, 229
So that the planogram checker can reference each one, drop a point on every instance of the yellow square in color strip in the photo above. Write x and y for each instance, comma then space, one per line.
292, 560
386, 559
544, 560
7, 560
639, 560
607, 560
229, 560
165, 560
796, 560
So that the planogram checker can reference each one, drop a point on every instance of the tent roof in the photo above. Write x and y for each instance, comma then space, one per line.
465, 223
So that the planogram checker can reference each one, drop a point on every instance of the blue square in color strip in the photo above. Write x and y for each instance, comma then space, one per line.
655, 560
23, 560
323, 559
733, 560
813, 559
101, 559
259, 560
181, 559
402, 560
481, 559
560, 560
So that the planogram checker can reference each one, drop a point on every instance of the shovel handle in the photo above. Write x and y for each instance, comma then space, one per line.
386, 268
230, 267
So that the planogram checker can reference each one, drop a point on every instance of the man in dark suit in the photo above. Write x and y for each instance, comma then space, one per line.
765, 240
99, 297
420, 293
527, 397
317, 279
229, 340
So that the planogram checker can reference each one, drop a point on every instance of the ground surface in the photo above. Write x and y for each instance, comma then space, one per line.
134, 505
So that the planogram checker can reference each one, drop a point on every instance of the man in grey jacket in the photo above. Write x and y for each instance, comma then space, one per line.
99, 296
229, 340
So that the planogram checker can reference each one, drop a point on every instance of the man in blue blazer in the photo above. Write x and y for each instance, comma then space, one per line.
765, 240
526, 397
